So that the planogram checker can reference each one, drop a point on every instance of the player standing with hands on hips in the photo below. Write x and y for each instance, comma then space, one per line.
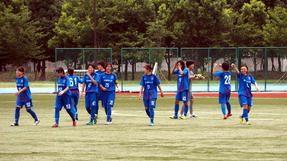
63, 97
24, 97
244, 92
224, 88
108, 82
182, 93
149, 82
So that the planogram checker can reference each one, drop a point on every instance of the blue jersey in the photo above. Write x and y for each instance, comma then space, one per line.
90, 86
25, 95
150, 83
74, 81
109, 81
100, 73
182, 80
225, 79
63, 83
245, 84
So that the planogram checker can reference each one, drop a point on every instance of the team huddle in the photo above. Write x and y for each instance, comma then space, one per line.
101, 86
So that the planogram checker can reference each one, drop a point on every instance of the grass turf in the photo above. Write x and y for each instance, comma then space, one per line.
207, 137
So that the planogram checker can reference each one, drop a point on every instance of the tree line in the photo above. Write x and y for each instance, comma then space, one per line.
31, 29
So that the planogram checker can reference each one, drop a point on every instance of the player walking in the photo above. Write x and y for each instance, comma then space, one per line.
24, 97
182, 93
100, 71
191, 76
244, 92
224, 88
108, 81
149, 82
63, 97
90, 85
74, 81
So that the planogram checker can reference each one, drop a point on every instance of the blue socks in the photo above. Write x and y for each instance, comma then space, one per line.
147, 112
245, 114
151, 111
33, 114
176, 108
185, 110
57, 115
223, 109
17, 114
109, 112
228, 105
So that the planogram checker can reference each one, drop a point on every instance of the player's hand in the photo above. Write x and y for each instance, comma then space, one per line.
17, 93
257, 89
104, 89
161, 94
214, 65
175, 65
119, 90
82, 94
88, 73
232, 65
61, 93
140, 96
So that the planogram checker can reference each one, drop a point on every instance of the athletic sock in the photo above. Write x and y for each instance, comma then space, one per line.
147, 112
109, 113
88, 110
72, 115
245, 114
33, 114
228, 105
223, 109
92, 115
57, 116
151, 111
191, 108
185, 110
17, 114
176, 108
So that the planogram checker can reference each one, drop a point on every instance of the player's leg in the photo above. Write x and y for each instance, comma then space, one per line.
244, 104
191, 105
146, 105
75, 99
222, 102
69, 108
176, 105
87, 102
29, 106
58, 107
96, 107
18, 107
185, 98
228, 105
248, 108
152, 104
110, 104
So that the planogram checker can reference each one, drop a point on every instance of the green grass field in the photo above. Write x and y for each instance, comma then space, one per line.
207, 137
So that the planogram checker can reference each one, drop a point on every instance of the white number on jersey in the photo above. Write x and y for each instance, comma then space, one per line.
227, 79
107, 85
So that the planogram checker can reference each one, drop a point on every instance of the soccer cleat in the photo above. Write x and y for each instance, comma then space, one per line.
74, 123
248, 123
225, 117
151, 124
241, 120
173, 117
107, 123
111, 121
36, 122
229, 114
14, 124
193, 115
55, 125
89, 123
183, 117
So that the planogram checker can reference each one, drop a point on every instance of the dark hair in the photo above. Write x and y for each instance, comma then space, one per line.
101, 63
225, 66
189, 63
108, 64
92, 65
148, 67
71, 71
20, 69
60, 70
244, 66
182, 64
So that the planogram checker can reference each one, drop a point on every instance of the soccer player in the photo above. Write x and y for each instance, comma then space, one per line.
90, 85
224, 88
244, 92
63, 97
100, 71
24, 97
149, 82
182, 93
108, 81
74, 81
191, 76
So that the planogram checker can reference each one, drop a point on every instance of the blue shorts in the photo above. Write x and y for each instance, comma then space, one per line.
75, 97
243, 100
223, 98
150, 103
91, 99
108, 98
64, 100
182, 96
28, 104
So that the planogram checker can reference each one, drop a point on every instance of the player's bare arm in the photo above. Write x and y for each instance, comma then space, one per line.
161, 93
83, 89
214, 68
140, 94
22, 90
63, 91
103, 88
175, 66
235, 68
